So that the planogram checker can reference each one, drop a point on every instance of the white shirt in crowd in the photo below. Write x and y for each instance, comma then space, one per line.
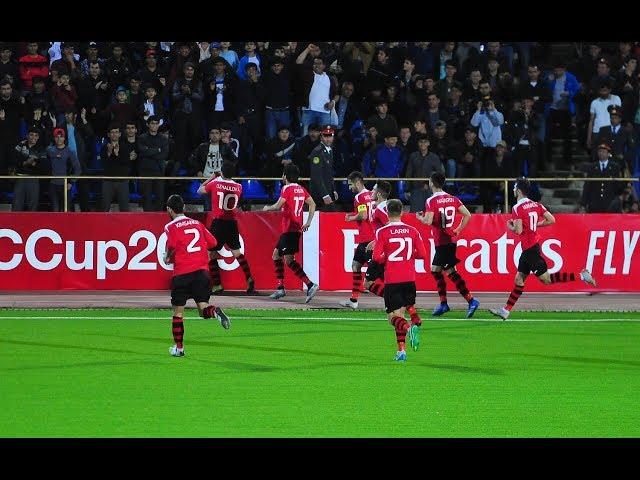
214, 161
599, 109
319, 95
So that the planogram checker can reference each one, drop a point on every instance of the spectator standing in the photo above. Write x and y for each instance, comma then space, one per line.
304, 147
152, 73
421, 164
153, 150
250, 56
384, 123
280, 152
121, 111
321, 160
117, 68
468, 155
32, 65
229, 55
489, 120
277, 96
64, 96
220, 94
621, 141
442, 146
187, 102
30, 160
8, 67
152, 105
10, 113
249, 110
599, 110
541, 94
129, 147
69, 62
384, 161
92, 56
598, 196
78, 135
562, 109
61, 159
500, 164
116, 164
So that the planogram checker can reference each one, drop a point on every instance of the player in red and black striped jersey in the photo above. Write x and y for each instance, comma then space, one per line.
225, 195
363, 215
187, 244
397, 246
525, 221
440, 211
374, 279
292, 200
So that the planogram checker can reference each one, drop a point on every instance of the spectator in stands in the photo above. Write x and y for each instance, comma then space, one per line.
433, 113
153, 150
117, 68
471, 90
380, 71
318, 93
406, 143
384, 161
347, 108
280, 152
277, 88
446, 54
32, 65
116, 164
456, 113
249, 109
69, 62
420, 126
562, 109
406, 79
442, 146
220, 94
187, 98
62, 159
621, 140
208, 158
304, 147
30, 159
443, 87
64, 96
121, 111
250, 56
603, 74
234, 143
424, 53
597, 196
521, 133
489, 120
43, 122
152, 104
135, 95
468, 155
627, 85
495, 51
541, 95
622, 56
92, 56
599, 110
78, 135
93, 94
152, 73
321, 166
10, 113
130, 148
229, 55
499, 165
421, 164
37, 98
492, 73
8, 67
382, 121
355, 62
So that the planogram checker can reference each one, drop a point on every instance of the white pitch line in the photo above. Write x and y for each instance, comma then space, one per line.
593, 320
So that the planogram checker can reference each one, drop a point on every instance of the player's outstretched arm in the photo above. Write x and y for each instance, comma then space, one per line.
312, 211
275, 206
549, 219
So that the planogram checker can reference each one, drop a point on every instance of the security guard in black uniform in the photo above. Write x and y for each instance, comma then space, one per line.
321, 168
597, 196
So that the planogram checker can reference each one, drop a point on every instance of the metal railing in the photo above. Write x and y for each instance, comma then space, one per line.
67, 178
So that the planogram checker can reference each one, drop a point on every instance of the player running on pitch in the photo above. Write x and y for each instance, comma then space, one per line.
363, 215
188, 241
441, 210
225, 195
374, 279
291, 201
397, 247
525, 221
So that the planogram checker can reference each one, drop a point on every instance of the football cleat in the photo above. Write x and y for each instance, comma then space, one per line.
473, 306
217, 289
279, 293
311, 292
414, 337
176, 352
349, 304
401, 356
222, 317
501, 312
585, 276
441, 309
251, 289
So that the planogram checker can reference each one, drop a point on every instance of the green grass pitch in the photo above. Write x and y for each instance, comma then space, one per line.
281, 373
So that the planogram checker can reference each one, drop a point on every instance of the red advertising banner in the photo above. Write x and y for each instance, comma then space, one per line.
107, 251
607, 245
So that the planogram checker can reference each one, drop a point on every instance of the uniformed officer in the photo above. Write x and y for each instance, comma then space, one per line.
597, 196
321, 171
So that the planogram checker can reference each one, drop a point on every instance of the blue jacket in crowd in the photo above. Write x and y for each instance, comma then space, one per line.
383, 162
571, 85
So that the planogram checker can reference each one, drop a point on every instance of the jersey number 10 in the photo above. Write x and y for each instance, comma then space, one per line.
227, 201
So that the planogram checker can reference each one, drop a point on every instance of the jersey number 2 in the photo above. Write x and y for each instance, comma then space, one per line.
191, 248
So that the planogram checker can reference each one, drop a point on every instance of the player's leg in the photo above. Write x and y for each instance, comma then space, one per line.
503, 312
409, 294
394, 304
279, 269
565, 277
179, 297
208, 310
443, 308
461, 285
356, 269
292, 243
201, 293
374, 279
214, 269
234, 244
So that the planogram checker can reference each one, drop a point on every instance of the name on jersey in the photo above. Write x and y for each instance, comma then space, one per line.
445, 200
298, 190
527, 206
228, 188
395, 231
184, 223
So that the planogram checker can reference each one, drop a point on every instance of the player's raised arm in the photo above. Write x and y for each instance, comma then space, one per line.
549, 219
312, 211
276, 206
466, 216
202, 188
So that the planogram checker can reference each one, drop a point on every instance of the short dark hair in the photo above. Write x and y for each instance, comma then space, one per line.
176, 203
4, 82
523, 185
130, 122
291, 173
355, 176
438, 179
384, 188
228, 169
113, 126
394, 207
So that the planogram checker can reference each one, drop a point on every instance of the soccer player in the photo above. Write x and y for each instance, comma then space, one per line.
187, 243
440, 211
397, 246
525, 221
291, 201
363, 215
374, 279
225, 195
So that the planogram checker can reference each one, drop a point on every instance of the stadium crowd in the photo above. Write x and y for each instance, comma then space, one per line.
402, 110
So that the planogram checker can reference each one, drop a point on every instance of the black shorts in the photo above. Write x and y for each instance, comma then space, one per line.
398, 295
361, 255
445, 256
289, 243
226, 233
532, 261
375, 270
194, 285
